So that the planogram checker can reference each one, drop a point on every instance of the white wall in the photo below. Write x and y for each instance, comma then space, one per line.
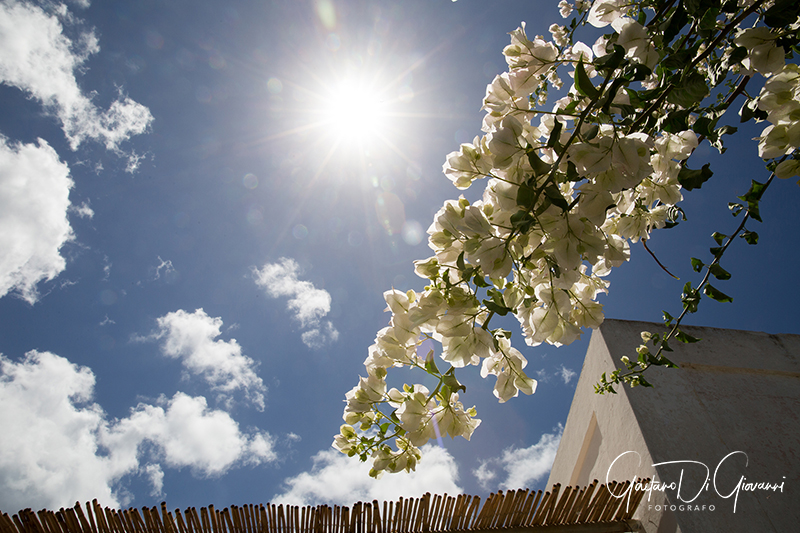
736, 392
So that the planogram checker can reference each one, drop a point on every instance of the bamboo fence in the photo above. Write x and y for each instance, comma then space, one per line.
589, 509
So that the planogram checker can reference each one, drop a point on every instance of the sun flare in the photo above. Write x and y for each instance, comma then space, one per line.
349, 115
354, 111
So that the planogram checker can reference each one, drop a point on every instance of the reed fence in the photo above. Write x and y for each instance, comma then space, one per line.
575, 509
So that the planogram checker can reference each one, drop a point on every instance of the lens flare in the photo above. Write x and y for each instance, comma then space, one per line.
354, 110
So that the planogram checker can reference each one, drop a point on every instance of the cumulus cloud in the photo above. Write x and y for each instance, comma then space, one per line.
192, 338
522, 467
34, 200
336, 479
307, 303
65, 449
39, 59
188, 434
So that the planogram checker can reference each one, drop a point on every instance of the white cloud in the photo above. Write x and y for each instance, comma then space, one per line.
485, 474
53, 458
34, 200
106, 268
155, 475
83, 210
567, 374
65, 449
524, 466
307, 303
336, 479
319, 337
190, 337
170, 274
188, 434
37, 58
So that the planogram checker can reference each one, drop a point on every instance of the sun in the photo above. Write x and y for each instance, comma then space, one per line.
354, 111
348, 115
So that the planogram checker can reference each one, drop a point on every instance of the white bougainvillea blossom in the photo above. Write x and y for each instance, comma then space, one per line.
567, 191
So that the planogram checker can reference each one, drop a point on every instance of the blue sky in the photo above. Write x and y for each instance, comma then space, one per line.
198, 242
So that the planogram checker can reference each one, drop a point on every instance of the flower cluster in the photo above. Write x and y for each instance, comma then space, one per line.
780, 99
567, 191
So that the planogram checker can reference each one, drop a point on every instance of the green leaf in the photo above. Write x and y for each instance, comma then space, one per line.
750, 237
540, 168
479, 281
690, 298
697, 265
676, 22
608, 97
752, 197
704, 126
718, 237
570, 109
677, 60
668, 318
756, 190
782, 13
716, 294
501, 310
526, 197
430, 364
583, 83
689, 91
708, 23
719, 272
555, 135
694, 179
444, 391
739, 53
699, 7
460, 261
685, 337
572, 172
609, 62
667, 363
522, 221
452, 383
543, 205
715, 138
555, 196
496, 296
676, 121
754, 212
750, 110
735, 208
553, 265
636, 72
